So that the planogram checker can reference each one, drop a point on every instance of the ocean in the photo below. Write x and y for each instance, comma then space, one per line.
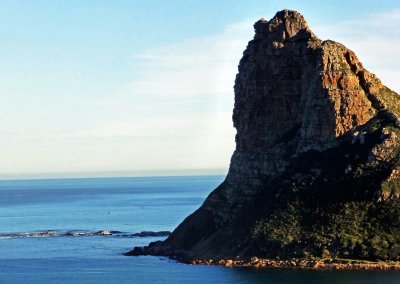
37, 218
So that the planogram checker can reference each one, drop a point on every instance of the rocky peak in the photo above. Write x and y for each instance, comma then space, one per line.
287, 25
294, 93
317, 144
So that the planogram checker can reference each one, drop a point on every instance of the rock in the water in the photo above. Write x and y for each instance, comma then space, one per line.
306, 111
152, 234
104, 233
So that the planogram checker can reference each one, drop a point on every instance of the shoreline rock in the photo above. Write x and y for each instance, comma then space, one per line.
315, 264
81, 233
151, 234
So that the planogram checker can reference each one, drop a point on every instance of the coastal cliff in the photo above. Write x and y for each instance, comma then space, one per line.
316, 168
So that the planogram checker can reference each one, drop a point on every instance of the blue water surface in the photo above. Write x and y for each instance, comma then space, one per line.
128, 205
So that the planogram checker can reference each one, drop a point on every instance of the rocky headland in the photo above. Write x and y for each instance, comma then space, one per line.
314, 180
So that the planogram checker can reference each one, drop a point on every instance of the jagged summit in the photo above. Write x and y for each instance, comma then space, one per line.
286, 25
317, 161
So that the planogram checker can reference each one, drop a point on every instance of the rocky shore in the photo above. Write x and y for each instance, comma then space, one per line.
329, 264
80, 233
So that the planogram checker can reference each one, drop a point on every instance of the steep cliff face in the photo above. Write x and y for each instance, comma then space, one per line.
313, 128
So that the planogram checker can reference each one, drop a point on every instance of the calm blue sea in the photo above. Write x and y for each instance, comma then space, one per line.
127, 205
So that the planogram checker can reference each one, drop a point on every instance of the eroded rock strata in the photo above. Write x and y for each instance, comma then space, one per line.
316, 168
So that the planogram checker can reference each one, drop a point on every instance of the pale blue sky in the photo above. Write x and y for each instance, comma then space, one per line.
109, 88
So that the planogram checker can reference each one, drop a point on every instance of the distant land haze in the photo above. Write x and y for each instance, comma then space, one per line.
115, 174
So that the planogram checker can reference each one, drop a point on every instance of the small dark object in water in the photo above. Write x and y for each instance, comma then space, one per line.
152, 234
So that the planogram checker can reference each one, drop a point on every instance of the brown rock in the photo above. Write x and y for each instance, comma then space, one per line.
293, 94
254, 259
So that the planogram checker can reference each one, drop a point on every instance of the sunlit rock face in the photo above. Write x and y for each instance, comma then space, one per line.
294, 94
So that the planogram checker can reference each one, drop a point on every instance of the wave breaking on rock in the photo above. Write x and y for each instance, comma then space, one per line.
83, 233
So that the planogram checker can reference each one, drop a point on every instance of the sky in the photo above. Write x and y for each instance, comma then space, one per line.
130, 88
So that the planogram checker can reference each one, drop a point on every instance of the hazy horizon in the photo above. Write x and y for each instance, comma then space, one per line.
126, 174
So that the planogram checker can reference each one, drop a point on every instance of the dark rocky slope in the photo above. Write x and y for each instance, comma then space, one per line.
316, 166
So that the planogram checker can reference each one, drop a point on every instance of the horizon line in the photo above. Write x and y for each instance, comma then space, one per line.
113, 174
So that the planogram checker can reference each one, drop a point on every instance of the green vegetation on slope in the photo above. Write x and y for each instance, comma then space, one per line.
361, 230
318, 209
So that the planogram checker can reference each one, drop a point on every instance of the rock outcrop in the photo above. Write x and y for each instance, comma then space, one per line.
316, 144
